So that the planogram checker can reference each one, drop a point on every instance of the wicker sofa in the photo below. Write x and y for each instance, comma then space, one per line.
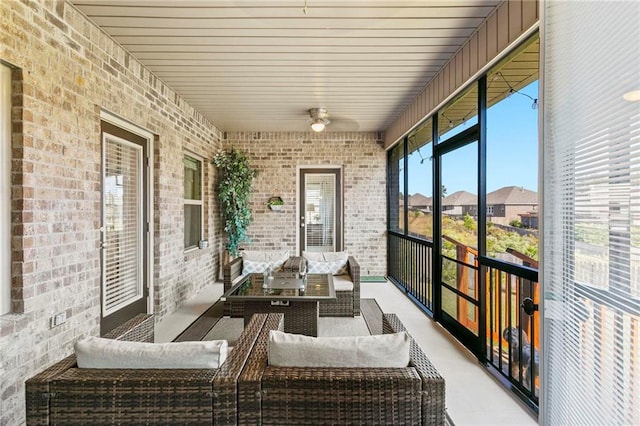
65, 394
347, 303
232, 272
295, 395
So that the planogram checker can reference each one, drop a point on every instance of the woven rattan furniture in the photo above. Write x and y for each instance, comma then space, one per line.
65, 394
346, 303
294, 395
232, 273
299, 305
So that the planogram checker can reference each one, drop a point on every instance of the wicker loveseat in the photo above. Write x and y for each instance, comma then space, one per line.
312, 395
232, 272
65, 394
347, 303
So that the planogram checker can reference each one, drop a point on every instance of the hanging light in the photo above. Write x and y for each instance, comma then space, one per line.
319, 119
534, 105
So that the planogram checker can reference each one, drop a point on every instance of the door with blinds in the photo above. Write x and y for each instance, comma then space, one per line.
321, 210
124, 211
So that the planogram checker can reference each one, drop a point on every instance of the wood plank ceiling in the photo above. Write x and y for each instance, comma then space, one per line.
259, 65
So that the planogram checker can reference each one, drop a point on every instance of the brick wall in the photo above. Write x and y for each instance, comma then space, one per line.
67, 72
277, 157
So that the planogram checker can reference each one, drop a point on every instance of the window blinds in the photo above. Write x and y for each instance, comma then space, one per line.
591, 144
123, 224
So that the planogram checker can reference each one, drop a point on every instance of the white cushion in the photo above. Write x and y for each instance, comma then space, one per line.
295, 350
255, 255
254, 267
277, 258
338, 267
318, 256
326, 256
342, 283
334, 256
260, 259
98, 352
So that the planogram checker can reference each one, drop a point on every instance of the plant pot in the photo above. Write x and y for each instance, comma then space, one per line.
276, 207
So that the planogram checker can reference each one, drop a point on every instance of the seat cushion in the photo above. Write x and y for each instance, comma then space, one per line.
98, 352
296, 350
342, 283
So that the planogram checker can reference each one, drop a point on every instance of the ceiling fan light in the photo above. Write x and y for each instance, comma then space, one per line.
318, 119
317, 125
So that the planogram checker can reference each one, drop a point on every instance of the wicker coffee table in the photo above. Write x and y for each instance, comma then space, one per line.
285, 294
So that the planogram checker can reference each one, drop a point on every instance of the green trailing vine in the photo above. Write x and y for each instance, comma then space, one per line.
234, 191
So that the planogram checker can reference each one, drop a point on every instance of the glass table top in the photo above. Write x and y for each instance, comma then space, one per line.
284, 286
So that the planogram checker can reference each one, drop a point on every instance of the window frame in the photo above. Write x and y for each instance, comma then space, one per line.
5, 188
194, 202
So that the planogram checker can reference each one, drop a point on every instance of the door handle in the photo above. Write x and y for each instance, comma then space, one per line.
528, 306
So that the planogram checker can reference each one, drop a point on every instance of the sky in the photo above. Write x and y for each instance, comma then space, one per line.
512, 152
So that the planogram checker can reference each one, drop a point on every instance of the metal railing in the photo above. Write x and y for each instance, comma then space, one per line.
410, 267
511, 297
513, 324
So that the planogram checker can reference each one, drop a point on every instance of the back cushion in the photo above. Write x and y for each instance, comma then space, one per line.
334, 268
296, 350
256, 261
98, 352
334, 263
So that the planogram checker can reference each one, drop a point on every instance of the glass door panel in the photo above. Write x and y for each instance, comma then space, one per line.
459, 239
320, 205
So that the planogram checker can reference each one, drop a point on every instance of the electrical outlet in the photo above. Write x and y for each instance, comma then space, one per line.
59, 318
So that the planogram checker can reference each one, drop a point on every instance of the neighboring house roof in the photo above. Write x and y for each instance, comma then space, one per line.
418, 199
510, 195
460, 198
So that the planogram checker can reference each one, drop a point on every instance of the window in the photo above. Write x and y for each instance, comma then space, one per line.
512, 156
591, 213
396, 188
420, 181
193, 205
5, 189
459, 114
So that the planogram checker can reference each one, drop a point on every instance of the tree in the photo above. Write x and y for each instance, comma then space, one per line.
234, 191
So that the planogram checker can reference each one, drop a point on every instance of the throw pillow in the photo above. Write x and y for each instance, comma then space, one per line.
277, 258
98, 352
254, 267
254, 255
335, 268
318, 256
334, 256
295, 350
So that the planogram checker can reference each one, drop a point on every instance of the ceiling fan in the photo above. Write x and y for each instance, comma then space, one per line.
318, 119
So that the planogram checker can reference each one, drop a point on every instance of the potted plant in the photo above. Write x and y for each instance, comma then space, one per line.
234, 191
275, 203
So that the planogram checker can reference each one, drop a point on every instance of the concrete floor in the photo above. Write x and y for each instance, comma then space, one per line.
474, 397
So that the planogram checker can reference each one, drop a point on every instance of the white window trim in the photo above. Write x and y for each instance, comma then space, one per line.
199, 202
5, 189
